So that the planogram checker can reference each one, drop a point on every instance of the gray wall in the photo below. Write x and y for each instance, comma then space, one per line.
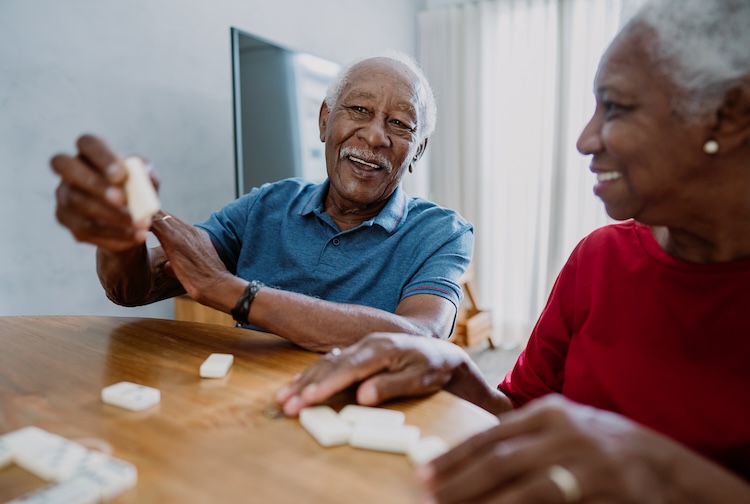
153, 77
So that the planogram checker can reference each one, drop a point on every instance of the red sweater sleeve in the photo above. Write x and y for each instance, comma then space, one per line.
540, 369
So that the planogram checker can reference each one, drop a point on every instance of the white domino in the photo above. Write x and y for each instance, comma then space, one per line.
142, 198
426, 449
398, 439
356, 414
56, 462
6, 455
372, 429
83, 476
73, 491
113, 476
325, 425
29, 440
216, 365
131, 396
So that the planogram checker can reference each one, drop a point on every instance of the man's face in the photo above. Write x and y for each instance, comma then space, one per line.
371, 133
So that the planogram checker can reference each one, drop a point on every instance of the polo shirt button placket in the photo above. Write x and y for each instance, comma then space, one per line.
336, 242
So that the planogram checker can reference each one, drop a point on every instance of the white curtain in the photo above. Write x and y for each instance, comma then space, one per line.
513, 81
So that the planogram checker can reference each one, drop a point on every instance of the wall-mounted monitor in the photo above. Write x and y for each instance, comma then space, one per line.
277, 96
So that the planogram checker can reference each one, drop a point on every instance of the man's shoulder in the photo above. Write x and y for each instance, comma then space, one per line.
426, 211
286, 190
293, 185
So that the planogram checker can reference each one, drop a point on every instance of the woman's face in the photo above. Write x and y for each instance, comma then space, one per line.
648, 161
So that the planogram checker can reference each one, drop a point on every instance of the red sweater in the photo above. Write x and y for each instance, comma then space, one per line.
629, 329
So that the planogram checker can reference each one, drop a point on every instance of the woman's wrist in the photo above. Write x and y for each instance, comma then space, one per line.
467, 382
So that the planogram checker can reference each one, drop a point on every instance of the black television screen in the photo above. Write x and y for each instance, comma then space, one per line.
277, 93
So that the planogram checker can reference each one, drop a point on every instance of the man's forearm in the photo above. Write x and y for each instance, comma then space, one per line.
320, 325
134, 277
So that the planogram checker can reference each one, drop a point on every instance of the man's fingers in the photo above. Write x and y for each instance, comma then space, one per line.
98, 154
81, 177
72, 201
108, 234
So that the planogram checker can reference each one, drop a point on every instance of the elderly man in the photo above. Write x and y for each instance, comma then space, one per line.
321, 265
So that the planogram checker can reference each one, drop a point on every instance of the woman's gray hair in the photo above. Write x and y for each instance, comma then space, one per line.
425, 96
702, 46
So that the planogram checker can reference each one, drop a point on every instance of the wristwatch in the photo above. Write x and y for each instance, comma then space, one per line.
241, 310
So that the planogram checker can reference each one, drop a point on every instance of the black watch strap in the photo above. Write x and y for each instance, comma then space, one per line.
241, 310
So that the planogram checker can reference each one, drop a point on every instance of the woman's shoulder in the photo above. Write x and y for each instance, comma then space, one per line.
615, 232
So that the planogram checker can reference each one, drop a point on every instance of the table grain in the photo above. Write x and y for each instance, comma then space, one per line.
209, 440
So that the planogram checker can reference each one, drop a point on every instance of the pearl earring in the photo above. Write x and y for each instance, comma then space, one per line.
711, 147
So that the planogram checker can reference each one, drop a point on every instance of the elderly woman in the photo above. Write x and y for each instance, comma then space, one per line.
643, 350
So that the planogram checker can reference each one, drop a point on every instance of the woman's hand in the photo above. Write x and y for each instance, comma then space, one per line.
386, 366
91, 200
595, 456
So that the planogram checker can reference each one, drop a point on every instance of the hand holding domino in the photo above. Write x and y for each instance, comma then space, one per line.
143, 201
103, 199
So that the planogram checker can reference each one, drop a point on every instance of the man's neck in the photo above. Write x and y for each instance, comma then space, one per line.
347, 215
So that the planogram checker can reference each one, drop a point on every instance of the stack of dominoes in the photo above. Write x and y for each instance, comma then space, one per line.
78, 475
370, 428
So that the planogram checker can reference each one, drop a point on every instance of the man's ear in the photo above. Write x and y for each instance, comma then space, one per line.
732, 127
420, 150
322, 120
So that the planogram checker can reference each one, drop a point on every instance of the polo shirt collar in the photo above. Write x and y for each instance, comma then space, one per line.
392, 215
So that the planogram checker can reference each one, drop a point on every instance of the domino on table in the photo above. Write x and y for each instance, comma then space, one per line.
356, 414
83, 476
57, 461
6, 456
112, 475
131, 396
325, 425
142, 199
73, 491
216, 365
426, 449
396, 439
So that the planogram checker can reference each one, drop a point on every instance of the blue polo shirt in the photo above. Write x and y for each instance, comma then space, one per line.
279, 234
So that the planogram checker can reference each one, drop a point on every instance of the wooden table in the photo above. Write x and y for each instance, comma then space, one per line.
209, 440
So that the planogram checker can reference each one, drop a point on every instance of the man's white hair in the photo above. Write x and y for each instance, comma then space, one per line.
425, 97
702, 46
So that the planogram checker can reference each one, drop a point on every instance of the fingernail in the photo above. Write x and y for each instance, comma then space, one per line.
112, 170
281, 394
144, 223
291, 407
309, 390
141, 236
113, 195
424, 472
367, 395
